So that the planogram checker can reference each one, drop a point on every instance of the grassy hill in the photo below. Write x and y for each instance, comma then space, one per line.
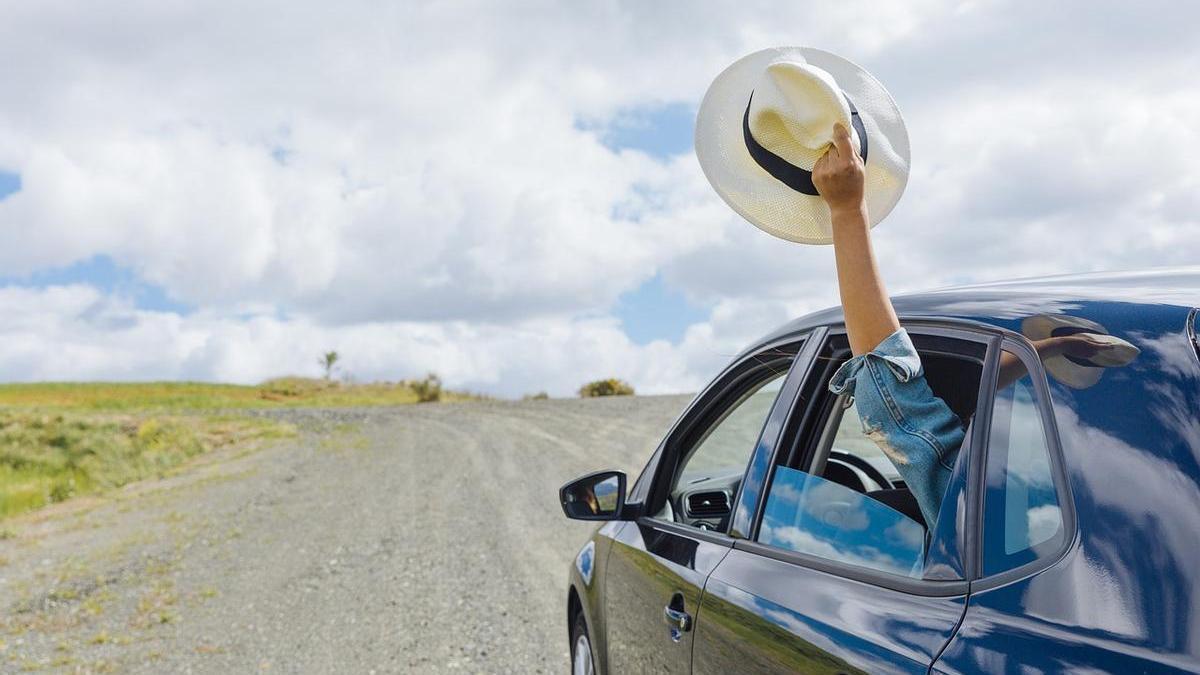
61, 440
200, 396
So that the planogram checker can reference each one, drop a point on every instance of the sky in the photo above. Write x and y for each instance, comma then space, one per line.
505, 193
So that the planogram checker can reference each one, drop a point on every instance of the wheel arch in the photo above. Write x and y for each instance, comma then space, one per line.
574, 607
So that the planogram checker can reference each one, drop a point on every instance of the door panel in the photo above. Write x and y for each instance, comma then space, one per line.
653, 566
765, 615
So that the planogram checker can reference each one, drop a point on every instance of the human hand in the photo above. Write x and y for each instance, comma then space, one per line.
840, 173
1078, 345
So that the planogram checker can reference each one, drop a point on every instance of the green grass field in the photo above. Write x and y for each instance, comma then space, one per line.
199, 396
61, 440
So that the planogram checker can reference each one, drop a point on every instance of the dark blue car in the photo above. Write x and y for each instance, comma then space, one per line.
770, 533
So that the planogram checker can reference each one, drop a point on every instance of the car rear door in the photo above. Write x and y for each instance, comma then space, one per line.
658, 565
847, 586
1087, 555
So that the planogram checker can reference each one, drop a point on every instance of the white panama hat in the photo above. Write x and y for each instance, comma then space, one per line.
768, 118
1079, 373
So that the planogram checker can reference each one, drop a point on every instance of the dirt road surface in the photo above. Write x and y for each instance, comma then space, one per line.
424, 538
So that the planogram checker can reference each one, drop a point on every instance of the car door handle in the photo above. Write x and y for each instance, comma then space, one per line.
677, 619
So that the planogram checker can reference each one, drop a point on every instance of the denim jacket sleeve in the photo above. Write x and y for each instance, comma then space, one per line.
915, 429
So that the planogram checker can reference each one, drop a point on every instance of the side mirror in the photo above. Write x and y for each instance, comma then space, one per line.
596, 496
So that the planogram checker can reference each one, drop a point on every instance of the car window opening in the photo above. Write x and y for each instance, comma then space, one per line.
839, 496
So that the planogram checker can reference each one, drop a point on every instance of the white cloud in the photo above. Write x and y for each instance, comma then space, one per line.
412, 184
75, 332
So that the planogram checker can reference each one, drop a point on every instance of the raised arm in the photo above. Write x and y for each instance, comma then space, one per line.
838, 176
917, 431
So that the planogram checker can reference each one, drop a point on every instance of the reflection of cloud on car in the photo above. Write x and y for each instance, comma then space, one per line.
584, 561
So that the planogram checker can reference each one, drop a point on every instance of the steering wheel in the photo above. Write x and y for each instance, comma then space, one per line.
864, 466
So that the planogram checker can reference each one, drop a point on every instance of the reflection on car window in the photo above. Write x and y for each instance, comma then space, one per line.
809, 514
727, 445
1023, 518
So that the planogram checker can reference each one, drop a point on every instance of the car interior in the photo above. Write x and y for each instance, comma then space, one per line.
844, 455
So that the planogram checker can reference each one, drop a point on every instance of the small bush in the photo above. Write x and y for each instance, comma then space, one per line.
610, 387
540, 396
428, 390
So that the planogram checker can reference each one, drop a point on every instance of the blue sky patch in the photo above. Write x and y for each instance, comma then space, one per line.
10, 183
104, 274
661, 130
653, 311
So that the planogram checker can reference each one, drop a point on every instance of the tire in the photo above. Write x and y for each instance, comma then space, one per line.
582, 661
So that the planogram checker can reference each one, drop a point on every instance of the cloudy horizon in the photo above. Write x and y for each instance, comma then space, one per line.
506, 194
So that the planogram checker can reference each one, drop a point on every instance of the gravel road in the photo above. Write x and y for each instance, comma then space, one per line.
423, 538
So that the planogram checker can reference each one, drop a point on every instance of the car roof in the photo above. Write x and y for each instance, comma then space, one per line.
1173, 290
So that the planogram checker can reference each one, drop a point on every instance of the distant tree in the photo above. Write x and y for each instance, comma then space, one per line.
540, 396
329, 362
610, 387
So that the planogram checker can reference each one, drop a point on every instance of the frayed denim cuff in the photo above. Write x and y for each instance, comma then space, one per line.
896, 351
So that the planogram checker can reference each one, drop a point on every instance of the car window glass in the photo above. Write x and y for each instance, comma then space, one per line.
710, 472
728, 444
810, 514
1022, 515
835, 511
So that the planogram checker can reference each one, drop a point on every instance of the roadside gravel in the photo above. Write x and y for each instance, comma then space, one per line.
422, 538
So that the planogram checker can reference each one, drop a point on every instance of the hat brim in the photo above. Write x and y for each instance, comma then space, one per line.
761, 198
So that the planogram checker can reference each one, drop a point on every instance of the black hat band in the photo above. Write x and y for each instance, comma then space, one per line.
784, 171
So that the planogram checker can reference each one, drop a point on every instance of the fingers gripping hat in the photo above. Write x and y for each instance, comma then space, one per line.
768, 118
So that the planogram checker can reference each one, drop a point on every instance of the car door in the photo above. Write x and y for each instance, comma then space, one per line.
838, 575
1087, 554
658, 564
